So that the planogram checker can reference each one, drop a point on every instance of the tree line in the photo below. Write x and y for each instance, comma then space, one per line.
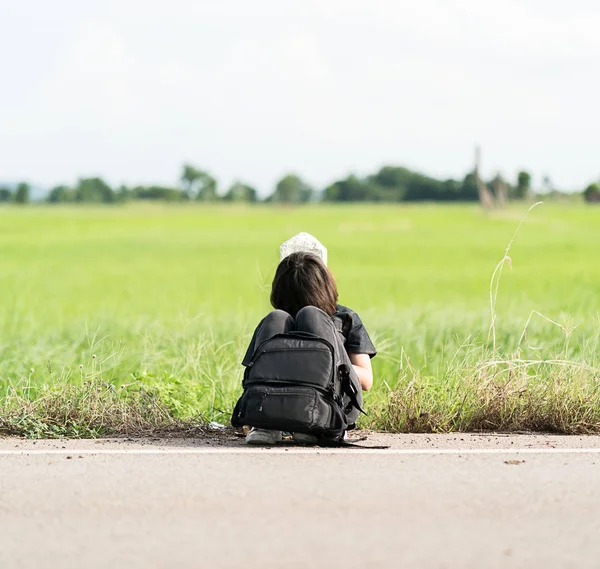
389, 184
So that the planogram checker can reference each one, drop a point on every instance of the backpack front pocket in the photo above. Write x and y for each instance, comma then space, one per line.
294, 409
311, 365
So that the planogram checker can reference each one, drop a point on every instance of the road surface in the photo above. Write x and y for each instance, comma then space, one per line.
455, 501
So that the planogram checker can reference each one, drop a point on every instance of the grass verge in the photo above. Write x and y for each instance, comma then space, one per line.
556, 396
92, 409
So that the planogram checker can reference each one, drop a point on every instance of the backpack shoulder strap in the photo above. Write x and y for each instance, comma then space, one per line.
347, 444
349, 388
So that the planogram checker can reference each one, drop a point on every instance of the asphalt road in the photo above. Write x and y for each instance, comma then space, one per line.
440, 502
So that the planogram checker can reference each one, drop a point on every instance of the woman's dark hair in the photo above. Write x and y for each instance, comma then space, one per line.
302, 279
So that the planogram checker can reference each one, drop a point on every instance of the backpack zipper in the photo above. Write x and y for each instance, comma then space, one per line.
292, 383
258, 352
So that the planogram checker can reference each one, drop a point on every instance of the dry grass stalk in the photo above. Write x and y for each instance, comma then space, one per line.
92, 409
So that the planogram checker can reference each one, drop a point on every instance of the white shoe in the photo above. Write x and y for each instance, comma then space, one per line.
263, 437
305, 439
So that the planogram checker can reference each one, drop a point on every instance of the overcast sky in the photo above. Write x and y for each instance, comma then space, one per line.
252, 89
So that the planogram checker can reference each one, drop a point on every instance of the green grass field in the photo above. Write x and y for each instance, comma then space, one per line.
166, 298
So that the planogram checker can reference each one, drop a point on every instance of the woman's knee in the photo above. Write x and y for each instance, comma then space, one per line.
311, 312
278, 317
277, 313
314, 320
276, 322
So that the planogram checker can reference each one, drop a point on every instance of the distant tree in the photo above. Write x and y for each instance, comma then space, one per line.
395, 184
450, 190
423, 188
292, 189
350, 189
94, 190
61, 194
160, 193
207, 188
332, 192
592, 193
523, 187
5, 195
22, 195
189, 176
392, 182
469, 190
401, 184
124, 193
239, 192
198, 184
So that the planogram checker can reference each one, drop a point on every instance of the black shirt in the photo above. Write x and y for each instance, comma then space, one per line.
354, 331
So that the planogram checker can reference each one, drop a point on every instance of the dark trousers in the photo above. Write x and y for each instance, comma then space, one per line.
309, 319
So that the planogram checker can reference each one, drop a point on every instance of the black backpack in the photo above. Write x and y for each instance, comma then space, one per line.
295, 382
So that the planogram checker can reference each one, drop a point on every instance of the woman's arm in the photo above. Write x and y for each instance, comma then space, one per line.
362, 366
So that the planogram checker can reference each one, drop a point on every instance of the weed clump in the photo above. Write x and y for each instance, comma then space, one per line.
512, 395
91, 409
